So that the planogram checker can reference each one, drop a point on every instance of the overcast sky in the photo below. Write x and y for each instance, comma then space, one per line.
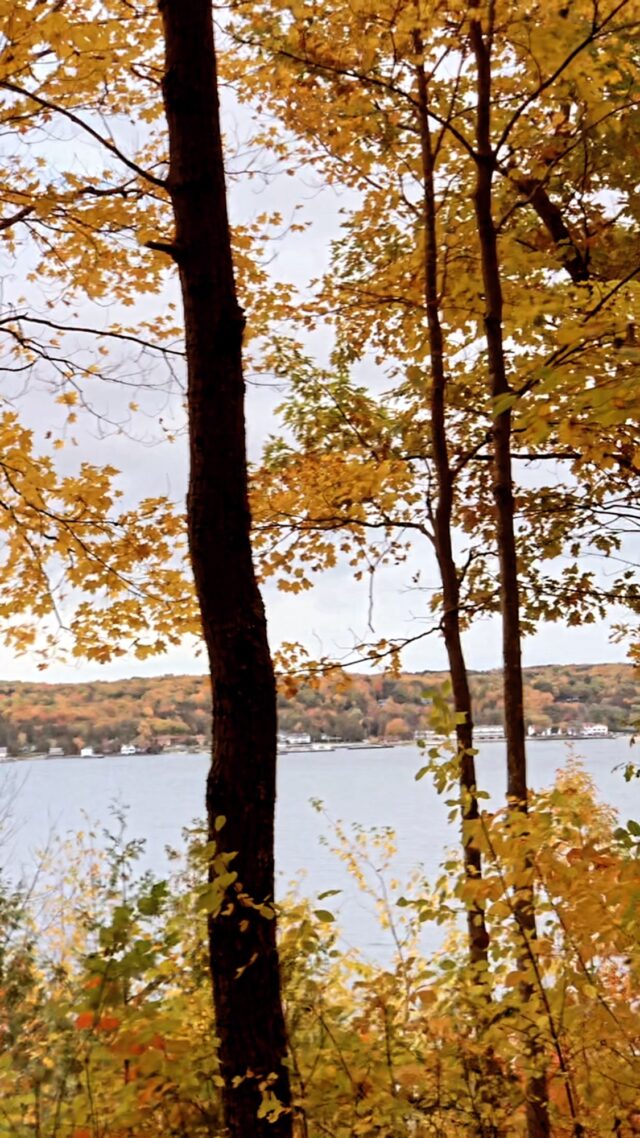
334, 615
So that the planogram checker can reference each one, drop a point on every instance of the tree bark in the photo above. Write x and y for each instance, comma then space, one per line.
477, 936
538, 1123
573, 259
241, 783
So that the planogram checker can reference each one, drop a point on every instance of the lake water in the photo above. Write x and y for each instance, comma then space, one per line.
164, 793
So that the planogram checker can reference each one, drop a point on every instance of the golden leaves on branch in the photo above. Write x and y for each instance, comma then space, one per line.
64, 538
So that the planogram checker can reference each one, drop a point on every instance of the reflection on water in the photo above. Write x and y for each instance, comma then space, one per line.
164, 793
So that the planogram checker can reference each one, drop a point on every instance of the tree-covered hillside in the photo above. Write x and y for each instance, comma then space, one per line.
174, 710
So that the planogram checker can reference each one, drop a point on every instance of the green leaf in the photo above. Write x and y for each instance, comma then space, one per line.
503, 403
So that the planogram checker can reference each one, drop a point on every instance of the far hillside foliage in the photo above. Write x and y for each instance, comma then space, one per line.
176, 710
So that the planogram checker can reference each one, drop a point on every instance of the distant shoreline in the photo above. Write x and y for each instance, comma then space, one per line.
311, 749
167, 714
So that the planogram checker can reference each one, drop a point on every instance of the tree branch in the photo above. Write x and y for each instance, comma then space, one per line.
46, 104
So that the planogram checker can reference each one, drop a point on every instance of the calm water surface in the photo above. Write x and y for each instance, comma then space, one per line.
164, 793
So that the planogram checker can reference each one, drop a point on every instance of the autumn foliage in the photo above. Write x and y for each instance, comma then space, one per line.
106, 1023
475, 406
174, 711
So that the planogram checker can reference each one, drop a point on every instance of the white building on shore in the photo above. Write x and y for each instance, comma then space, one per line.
598, 730
485, 732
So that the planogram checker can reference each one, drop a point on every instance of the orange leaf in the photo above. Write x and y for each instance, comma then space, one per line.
85, 1019
108, 1023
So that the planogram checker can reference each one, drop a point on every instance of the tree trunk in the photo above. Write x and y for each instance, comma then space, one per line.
241, 783
477, 936
538, 1124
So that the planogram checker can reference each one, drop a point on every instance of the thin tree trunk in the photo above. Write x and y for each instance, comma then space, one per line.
538, 1124
241, 784
477, 936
